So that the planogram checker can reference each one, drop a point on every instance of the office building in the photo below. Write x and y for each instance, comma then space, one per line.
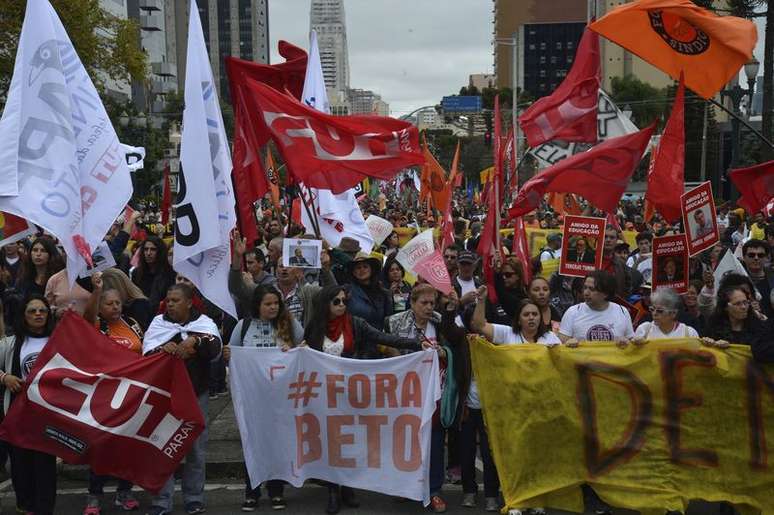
327, 18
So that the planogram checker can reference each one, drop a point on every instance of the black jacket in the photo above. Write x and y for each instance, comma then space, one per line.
366, 338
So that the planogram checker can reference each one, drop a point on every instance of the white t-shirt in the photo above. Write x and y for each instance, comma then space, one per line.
504, 335
646, 269
29, 353
650, 331
585, 324
466, 286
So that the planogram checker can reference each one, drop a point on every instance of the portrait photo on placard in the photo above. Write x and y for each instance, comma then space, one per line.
300, 253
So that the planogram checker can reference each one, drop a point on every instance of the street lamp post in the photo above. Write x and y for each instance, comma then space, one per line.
736, 94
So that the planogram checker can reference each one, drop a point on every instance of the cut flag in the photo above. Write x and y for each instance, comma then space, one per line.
333, 152
273, 177
447, 223
433, 270
61, 164
666, 177
599, 175
489, 247
679, 36
570, 112
521, 248
435, 177
755, 184
166, 196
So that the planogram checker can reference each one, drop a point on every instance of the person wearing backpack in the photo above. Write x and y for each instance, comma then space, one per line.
269, 324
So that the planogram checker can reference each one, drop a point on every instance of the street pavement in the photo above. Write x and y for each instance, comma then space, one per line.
225, 485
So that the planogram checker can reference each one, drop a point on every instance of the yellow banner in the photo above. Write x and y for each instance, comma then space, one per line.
648, 428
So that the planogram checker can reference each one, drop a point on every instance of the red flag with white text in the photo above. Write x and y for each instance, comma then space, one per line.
600, 175
333, 152
91, 401
570, 112
433, 270
755, 184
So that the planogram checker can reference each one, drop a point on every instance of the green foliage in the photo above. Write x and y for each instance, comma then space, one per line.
647, 103
103, 41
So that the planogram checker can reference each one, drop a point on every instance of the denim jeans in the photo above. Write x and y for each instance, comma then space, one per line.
97, 483
472, 426
193, 469
437, 470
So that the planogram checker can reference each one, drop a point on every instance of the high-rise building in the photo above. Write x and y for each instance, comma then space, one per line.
481, 81
121, 90
363, 101
238, 28
327, 18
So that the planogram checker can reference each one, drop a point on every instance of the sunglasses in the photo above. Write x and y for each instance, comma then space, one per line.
338, 301
758, 255
36, 310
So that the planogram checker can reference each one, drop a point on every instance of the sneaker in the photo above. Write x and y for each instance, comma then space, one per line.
213, 396
278, 503
157, 510
92, 505
250, 504
491, 504
194, 507
468, 500
126, 501
437, 504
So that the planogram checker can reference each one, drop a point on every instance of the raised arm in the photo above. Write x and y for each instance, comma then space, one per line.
478, 323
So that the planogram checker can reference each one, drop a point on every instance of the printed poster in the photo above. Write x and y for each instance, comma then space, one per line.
582, 244
670, 263
699, 218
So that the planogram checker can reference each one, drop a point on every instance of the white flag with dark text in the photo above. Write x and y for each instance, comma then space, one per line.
205, 202
61, 165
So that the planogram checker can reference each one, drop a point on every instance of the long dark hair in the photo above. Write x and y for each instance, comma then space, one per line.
283, 323
719, 318
21, 331
317, 328
28, 272
542, 328
162, 261
386, 269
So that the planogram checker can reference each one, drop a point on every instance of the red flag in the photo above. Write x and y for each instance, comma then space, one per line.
433, 270
447, 225
14, 228
612, 220
599, 175
166, 196
564, 203
666, 178
333, 152
288, 75
521, 247
756, 185
570, 112
91, 401
489, 244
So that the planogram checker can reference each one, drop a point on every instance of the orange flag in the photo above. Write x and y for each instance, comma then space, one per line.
677, 35
435, 177
564, 203
273, 176
666, 177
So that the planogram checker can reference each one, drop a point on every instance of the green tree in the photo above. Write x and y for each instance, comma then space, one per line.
646, 102
104, 42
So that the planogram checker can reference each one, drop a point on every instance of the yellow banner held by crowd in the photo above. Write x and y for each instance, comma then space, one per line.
648, 428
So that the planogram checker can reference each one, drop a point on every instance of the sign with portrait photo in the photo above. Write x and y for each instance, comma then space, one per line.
699, 218
582, 245
670, 263
300, 253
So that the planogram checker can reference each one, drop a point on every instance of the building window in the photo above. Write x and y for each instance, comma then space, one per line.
542, 45
570, 45
554, 59
542, 59
542, 74
558, 45
532, 46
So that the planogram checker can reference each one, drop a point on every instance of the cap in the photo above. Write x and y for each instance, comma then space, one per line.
557, 236
467, 256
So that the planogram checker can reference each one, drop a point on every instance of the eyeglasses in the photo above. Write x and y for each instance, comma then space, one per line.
741, 303
32, 311
660, 311
338, 301
756, 255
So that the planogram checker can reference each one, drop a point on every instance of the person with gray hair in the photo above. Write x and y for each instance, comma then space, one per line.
664, 306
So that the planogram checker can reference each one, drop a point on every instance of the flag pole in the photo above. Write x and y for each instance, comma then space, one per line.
311, 213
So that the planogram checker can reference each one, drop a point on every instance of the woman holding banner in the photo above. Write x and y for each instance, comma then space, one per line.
334, 330
33, 473
664, 307
734, 321
540, 293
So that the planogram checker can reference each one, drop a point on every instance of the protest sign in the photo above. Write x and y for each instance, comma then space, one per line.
670, 263
415, 250
432, 269
90, 401
699, 218
301, 253
101, 259
582, 245
360, 423
623, 421
379, 228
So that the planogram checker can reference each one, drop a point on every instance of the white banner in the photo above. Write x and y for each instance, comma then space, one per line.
72, 175
338, 215
359, 423
205, 202
379, 228
419, 247
135, 157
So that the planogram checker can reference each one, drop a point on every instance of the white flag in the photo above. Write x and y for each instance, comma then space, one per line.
135, 157
58, 145
364, 423
205, 202
338, 215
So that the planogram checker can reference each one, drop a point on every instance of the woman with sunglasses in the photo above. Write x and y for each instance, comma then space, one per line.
664, 308
33, 473
333, 330
509, 284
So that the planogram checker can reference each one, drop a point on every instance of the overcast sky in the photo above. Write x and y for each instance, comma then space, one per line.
411, 52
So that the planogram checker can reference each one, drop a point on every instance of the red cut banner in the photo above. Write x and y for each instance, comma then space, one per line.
90, 401
699, 218
582, 244
670, 263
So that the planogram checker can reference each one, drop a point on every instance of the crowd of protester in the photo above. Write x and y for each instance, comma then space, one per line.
364, 306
